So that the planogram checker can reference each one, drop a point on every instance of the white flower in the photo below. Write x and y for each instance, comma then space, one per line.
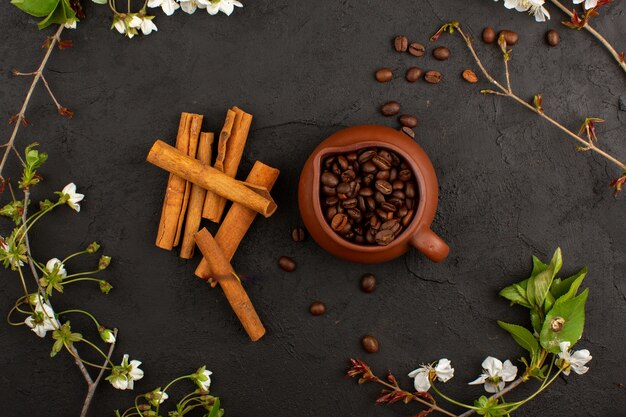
495, 374
123, 376
534, 7
216, 6
42, 320
202, 378
72, 198
168, 6
162, 396
426, 373
190, 6
60, 268
575, 361
145, 24
70, 24
589, 4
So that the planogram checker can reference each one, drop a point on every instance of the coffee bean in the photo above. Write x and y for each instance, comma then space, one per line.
388, 207
408, 120
366, 192
339, 221
408, 131
349, 203
553, 38
417, 49
384, 237
317, 308
381, 163
510, 37
383, 175
368, 283
384, 75
329, 179
390, 108
410, 190
366, 156
413, 74
489, 35
355, 214
404, 175
406, 219
343, 188
348, 175
370, 344
469, 76
441, 53
342, 161
400, 43
287, 264
383, 186
329, 190
298, 234
432, 77
331, 212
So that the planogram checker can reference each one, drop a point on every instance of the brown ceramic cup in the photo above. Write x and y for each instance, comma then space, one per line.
417, 234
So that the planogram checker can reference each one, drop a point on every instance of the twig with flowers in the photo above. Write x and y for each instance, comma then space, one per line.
149, 404
557, 317
588, 142
34, 308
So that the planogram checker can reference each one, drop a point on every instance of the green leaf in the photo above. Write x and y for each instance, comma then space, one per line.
565, 322
569, 285
61, 14
37, 8
523, 337
215, 409
539, 285
548, 302
536, 321
516, 294
538, 266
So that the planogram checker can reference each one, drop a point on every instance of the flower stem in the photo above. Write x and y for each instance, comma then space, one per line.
97, 349
71, 281
450, 400
596, 34
81, 312
36, 78
73, 255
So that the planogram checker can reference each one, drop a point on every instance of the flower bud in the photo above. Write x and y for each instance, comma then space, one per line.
92, 248
106, 335
45, 204
104, 262
105, 287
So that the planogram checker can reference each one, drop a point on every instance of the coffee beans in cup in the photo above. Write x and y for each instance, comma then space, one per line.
369, 196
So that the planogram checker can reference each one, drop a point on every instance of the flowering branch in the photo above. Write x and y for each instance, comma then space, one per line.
19, 118
619, 57
506, 91
92, 385
497, 395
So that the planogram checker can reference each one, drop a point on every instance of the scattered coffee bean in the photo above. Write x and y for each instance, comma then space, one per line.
401, 43
370, 344
432, 77
317, 308
489, 35
469, 76
372, 187
408, 131
417, 49
298, 234
408, 120
287, 264
368, 283
441, 53
384, 75
413, 74
510, 37
553, 38
390, 108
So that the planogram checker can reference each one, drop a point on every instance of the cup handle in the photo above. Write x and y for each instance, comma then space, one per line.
431, 245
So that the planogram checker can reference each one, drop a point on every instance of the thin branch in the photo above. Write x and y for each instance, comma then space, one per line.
506, 390
21, 114
542, 114
596, 34
45, 83
94, 385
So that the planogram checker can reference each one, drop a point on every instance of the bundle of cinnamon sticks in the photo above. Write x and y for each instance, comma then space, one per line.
199, 188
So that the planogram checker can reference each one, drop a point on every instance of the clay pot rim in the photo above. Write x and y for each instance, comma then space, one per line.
410, 229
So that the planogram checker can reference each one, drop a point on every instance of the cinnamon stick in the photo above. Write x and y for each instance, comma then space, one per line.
177, 191
193, 149
174, 161
196, 200
229, 152
234, 291
238, 219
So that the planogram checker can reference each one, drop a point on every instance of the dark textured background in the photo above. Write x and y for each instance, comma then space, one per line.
511, 186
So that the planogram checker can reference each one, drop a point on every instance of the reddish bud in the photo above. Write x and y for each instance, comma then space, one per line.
392, 379
618, 183
13, 118
65, 43
46, 44
65, 112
